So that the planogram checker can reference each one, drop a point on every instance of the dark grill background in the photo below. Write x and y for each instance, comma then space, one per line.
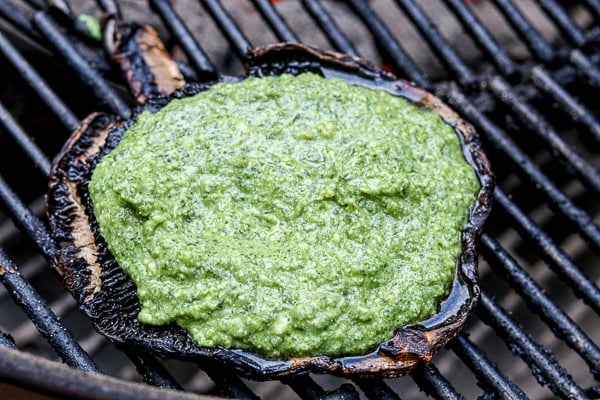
525, 73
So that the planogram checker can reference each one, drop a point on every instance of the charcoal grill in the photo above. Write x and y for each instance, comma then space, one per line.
526, 74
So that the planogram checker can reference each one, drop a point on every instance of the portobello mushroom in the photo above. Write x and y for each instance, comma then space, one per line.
109, 296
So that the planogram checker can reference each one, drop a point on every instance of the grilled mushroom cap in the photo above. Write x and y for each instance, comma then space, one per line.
108, 296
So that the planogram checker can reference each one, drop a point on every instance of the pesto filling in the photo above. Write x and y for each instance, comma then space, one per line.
287, 216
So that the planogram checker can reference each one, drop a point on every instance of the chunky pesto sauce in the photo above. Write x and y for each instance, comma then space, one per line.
287, 216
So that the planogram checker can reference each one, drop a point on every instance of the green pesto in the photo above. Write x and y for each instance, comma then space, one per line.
92, 24
287, 216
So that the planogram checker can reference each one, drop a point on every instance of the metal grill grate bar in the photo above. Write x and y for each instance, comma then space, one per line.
344, 392
432, 382
563, 22
275, 21
228, 384
376, 389
586, 67
580, 218
336, 37
594, 6
537, 124
23, 23
6, 341
560, 262
23, 369
534, 40
36, 3
238, 41
83, 71
578, 113
66, 117
46, 322
110, 7
30, 269
305, 387
445, 53
151, 370
26, 221
397, 56
561, 325
27, 334
15, 16
197, 57
483, 38
488, 375
32, 151
544, 366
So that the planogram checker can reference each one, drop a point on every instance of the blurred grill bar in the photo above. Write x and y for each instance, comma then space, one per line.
564, 22
483, 37
397, 56
489, 107
197, 57
336, 37
275, 21
14, 15
443, 50
238, 41
586, 67
534, 40
594, 6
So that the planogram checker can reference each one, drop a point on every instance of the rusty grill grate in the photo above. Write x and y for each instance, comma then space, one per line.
525, 73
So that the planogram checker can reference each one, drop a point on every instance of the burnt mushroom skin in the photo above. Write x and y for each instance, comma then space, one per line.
108, 296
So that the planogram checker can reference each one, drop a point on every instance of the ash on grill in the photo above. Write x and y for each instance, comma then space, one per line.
525, 73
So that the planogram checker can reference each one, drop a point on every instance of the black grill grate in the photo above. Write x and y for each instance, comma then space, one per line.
537, 114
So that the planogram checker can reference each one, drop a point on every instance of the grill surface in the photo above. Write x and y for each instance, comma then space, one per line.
525, 74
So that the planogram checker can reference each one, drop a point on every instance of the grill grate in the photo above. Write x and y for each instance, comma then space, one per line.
537, 115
